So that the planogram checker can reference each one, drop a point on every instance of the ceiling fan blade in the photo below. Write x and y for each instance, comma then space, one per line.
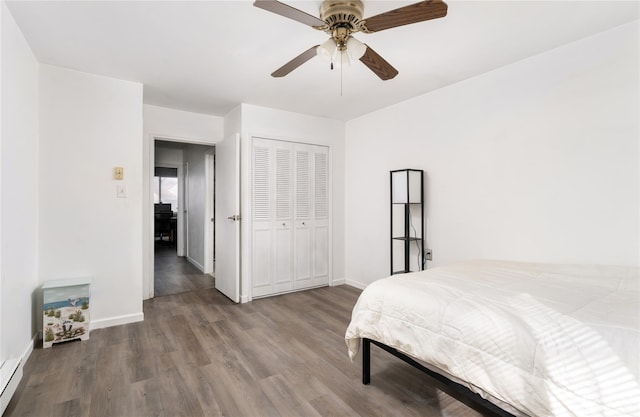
378, 65
290, 12
295, 62
414, 13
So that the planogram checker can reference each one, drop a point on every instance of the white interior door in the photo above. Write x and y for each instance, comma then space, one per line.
227, 217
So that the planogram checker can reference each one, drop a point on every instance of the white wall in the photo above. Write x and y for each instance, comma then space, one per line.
536, 161
182, 125
88, 125
196, 205
233, 121
283, 125
18, 192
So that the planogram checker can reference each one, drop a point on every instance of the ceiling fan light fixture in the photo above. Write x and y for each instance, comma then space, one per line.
342, 59
327, 49
341, 56
356, 48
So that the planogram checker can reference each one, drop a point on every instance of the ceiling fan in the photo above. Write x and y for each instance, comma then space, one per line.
341, 19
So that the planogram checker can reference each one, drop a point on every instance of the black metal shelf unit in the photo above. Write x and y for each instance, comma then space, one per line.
407, 220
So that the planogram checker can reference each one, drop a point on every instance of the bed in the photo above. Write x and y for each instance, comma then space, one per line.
531, 339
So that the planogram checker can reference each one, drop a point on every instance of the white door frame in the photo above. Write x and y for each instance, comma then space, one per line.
148, 277
209, 224
185, 210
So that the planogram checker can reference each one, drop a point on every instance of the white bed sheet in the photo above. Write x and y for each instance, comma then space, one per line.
550, 340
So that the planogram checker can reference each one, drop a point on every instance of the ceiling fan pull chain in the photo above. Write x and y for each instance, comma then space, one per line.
341, 67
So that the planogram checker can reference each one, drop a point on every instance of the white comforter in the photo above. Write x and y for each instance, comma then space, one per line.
550, 340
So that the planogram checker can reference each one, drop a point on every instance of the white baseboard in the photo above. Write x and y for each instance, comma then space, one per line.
116, 321
336, 282
196, 264
245, 299
359, 285
26, 352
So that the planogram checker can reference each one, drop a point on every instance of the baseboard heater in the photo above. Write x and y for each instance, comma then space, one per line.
10, 376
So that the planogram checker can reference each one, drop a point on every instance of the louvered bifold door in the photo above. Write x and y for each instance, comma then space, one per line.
321, 221
304, 223
290, 240
262, 258
283, 223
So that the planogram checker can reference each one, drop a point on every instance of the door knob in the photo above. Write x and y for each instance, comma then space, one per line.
234, 218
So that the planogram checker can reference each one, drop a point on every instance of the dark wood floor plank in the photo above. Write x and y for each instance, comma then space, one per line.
286, 398
69, 408
305, 383
146, 398
178, 398
330, 405
214, 393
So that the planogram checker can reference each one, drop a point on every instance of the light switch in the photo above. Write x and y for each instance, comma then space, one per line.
121, 191
118, 173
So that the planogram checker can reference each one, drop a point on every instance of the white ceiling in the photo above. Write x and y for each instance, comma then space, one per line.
209, 56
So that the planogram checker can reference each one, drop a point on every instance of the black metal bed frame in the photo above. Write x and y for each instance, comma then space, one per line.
458, 391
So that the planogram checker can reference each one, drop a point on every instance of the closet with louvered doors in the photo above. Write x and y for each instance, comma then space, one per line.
290, 219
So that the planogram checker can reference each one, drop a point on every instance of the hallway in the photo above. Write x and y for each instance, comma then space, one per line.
174, 275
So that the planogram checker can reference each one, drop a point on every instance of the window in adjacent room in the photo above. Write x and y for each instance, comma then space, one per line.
165, 187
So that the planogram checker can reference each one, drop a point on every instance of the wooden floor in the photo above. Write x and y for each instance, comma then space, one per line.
174, 275
198, 354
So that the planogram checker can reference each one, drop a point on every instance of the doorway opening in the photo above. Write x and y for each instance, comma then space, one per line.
183, 198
